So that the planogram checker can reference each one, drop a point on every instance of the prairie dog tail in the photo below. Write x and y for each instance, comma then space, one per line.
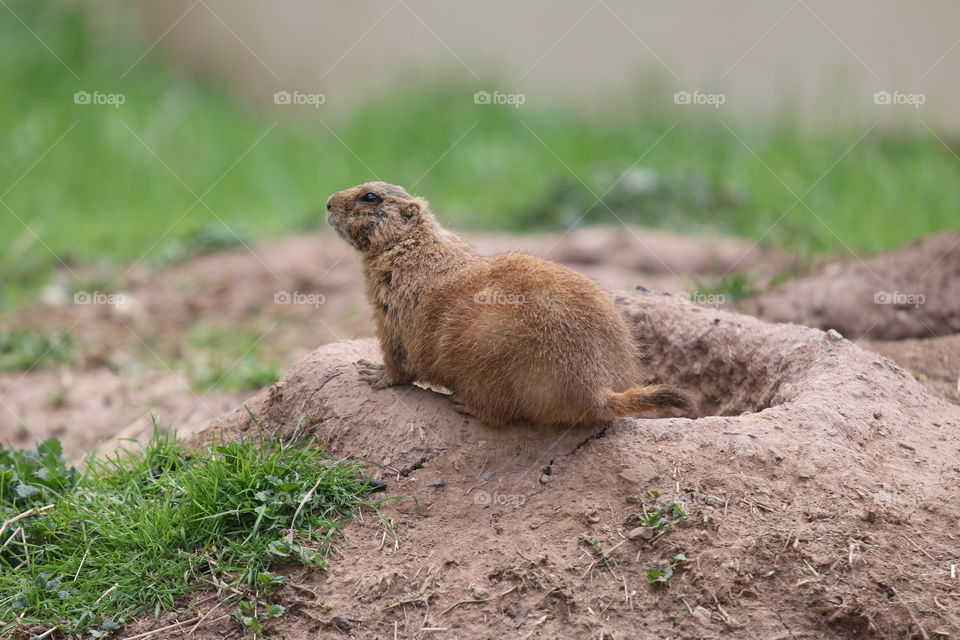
640, 399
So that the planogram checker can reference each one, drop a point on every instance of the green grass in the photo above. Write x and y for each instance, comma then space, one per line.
98, 183
24, 349
245, 374
198, 241
135, 532
720, 289
229, 358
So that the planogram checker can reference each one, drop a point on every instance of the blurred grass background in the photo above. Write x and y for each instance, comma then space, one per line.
94, 183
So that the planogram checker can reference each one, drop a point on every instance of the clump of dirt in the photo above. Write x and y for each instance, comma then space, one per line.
816, 484
913, 292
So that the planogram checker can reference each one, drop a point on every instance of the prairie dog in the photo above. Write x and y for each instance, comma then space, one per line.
514, 337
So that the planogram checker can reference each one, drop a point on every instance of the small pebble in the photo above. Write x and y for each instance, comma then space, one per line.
439, 482
640, 533
489, 475
343, 623
834, 335
702, 614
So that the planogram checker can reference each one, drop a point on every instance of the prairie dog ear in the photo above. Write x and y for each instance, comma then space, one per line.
413, 208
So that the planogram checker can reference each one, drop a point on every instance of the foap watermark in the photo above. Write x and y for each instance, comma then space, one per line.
484, 498
498, 297
97, 297
512, 99
899, 299
298, 98
890, 498
699, 98
95, 97
899, 98
707, 299
299, 297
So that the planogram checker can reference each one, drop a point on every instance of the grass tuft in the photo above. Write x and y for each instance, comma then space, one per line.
136, 531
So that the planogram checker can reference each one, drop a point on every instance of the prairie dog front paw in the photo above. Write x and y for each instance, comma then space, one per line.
374, 374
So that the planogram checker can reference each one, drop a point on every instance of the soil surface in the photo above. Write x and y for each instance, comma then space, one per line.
819, 482
819, 478
935, 362
913, 292
290, 296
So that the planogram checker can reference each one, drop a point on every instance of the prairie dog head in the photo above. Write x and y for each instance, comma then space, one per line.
376, 215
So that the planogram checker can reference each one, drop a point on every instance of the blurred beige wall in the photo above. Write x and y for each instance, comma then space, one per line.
824, 59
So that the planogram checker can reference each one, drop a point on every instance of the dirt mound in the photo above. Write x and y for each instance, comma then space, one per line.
287, 297
622, 258
934, 362
913, 292
818, 485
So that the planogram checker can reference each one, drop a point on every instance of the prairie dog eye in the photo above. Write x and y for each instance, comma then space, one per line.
370, 197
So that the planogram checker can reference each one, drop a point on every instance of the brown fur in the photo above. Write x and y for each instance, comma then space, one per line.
513, 336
